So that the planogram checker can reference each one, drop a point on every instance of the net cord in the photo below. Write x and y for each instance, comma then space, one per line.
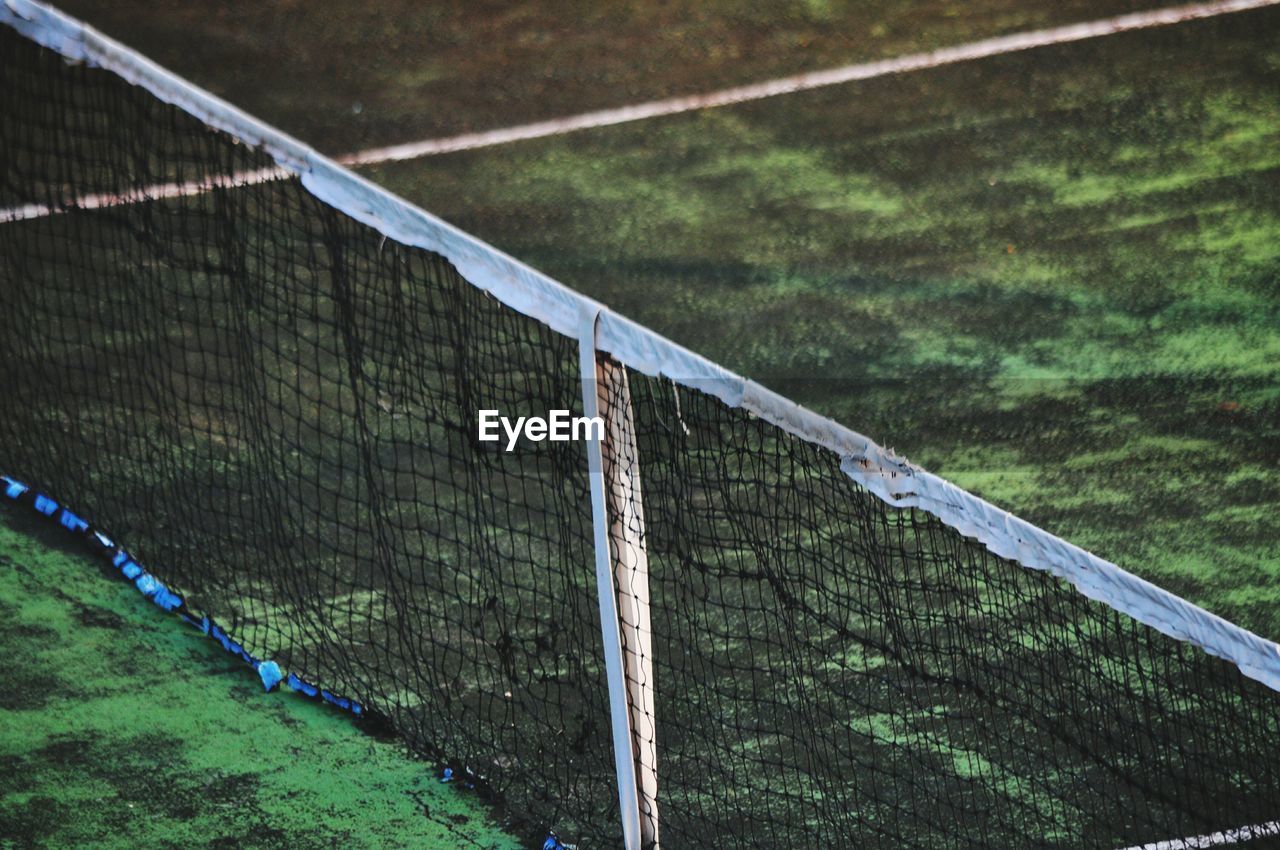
893, 479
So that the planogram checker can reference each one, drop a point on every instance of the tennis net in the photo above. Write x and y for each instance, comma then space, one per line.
727, 623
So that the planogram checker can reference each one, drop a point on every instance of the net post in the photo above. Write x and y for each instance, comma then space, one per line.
630, 561
622, 581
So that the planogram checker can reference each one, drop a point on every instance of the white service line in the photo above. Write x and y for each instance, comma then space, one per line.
690, 103
148, 193
1216, 839
807, 81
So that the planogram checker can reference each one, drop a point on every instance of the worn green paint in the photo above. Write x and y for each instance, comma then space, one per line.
122, 727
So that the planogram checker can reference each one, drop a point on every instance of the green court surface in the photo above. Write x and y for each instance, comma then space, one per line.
120, 726
1052, 277
343, 76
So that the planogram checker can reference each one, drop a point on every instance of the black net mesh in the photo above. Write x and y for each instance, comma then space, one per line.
833, 673
275, 408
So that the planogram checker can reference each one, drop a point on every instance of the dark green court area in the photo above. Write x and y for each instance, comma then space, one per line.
1051, 277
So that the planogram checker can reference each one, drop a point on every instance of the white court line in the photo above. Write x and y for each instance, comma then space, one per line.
1216, 839
148, 193
807, 81
690, 103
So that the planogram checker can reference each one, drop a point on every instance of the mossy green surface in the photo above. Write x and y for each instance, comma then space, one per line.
122, 727
1050, 276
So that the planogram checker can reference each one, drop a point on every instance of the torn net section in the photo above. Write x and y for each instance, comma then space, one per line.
275, 409
835, 672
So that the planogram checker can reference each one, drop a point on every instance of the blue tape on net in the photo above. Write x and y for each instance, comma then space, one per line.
270, 674
148, 584
155, 590
230, 645
467, 777
72, 522
340, 702
12, 488
167, 599
302, 687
